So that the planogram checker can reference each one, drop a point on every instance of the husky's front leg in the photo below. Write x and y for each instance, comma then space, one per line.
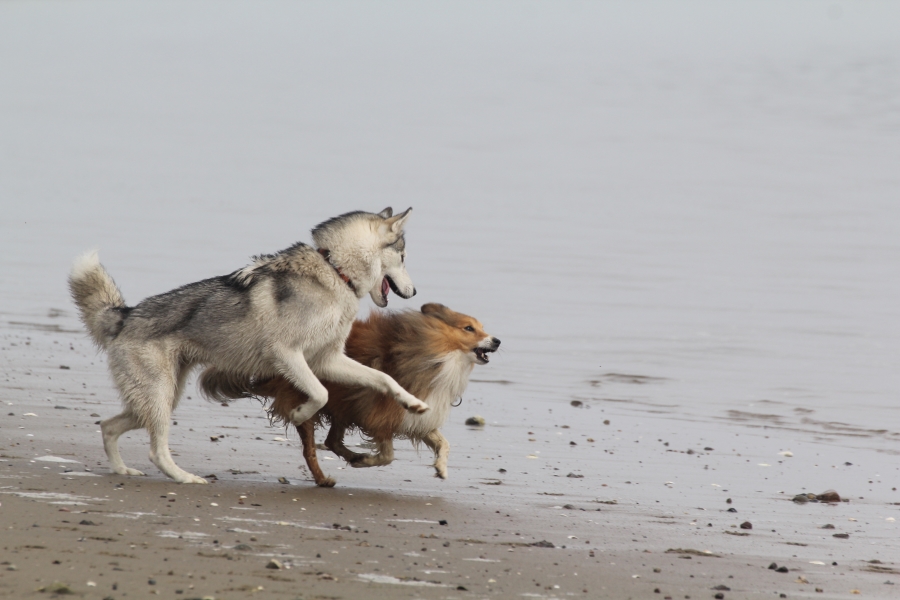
340, 368
441, 447
294, 367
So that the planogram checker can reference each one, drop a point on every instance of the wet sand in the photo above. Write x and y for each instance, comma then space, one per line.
627, 514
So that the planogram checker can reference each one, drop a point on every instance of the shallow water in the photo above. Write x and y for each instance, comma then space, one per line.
684, 216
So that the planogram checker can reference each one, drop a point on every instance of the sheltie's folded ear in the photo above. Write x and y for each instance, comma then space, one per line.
439, 311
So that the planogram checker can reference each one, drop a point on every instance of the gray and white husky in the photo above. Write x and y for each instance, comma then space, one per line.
286, 314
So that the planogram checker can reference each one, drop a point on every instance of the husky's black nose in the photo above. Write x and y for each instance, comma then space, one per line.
414, 292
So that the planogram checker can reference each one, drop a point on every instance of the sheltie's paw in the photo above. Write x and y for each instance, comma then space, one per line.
327, 482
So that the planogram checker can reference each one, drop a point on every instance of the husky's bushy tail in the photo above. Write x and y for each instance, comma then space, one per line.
99, 301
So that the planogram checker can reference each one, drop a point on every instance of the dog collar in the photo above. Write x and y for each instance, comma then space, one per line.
326, 254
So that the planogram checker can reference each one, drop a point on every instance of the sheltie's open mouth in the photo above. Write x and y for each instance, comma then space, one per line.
482, 355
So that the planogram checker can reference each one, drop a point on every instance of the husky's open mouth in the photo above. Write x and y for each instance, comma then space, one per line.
482, 355
385, 289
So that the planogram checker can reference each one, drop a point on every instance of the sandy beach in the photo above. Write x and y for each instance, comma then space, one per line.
680, 218
619, 515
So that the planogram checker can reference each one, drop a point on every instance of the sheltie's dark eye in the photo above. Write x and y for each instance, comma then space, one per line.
469, 328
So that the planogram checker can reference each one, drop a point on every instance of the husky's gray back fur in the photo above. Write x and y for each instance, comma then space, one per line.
216, 316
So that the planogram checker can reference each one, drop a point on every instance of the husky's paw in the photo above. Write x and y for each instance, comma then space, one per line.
135, 472
326, 483
189, 478
417, 407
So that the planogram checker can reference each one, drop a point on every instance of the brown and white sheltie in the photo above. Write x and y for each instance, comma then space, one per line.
430, 354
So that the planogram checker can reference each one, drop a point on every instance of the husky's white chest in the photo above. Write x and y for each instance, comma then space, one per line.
448, 385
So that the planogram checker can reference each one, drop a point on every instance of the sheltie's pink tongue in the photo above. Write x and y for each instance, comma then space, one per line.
385, 288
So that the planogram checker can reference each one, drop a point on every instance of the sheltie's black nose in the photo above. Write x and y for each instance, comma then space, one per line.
414, 292
496, 342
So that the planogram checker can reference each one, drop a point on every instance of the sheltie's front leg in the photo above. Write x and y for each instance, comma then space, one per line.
308, 440
441, 448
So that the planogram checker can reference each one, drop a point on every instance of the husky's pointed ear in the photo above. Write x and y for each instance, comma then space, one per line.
386, 213
397, 223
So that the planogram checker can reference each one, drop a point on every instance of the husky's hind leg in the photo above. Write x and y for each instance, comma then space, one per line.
151, 381
112, 429
441, 448
308, 440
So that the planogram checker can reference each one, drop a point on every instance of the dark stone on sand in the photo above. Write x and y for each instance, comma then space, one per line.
576, 403
781, 570
827, 526
462, 588
773, 566
828, 496
708, 449
475, 421
574, 476
568, 507
746, 525
722, 588
151, 582
243, 547
843, 536
800, 498
732, 509
214, 438
728, 501
94, 415
543, 544
65, 367
283, 480
274, 564
442, 522
86, 522
719, 596
61, 408
689, 451
606, 422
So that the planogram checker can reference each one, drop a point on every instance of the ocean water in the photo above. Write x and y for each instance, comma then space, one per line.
688, 212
